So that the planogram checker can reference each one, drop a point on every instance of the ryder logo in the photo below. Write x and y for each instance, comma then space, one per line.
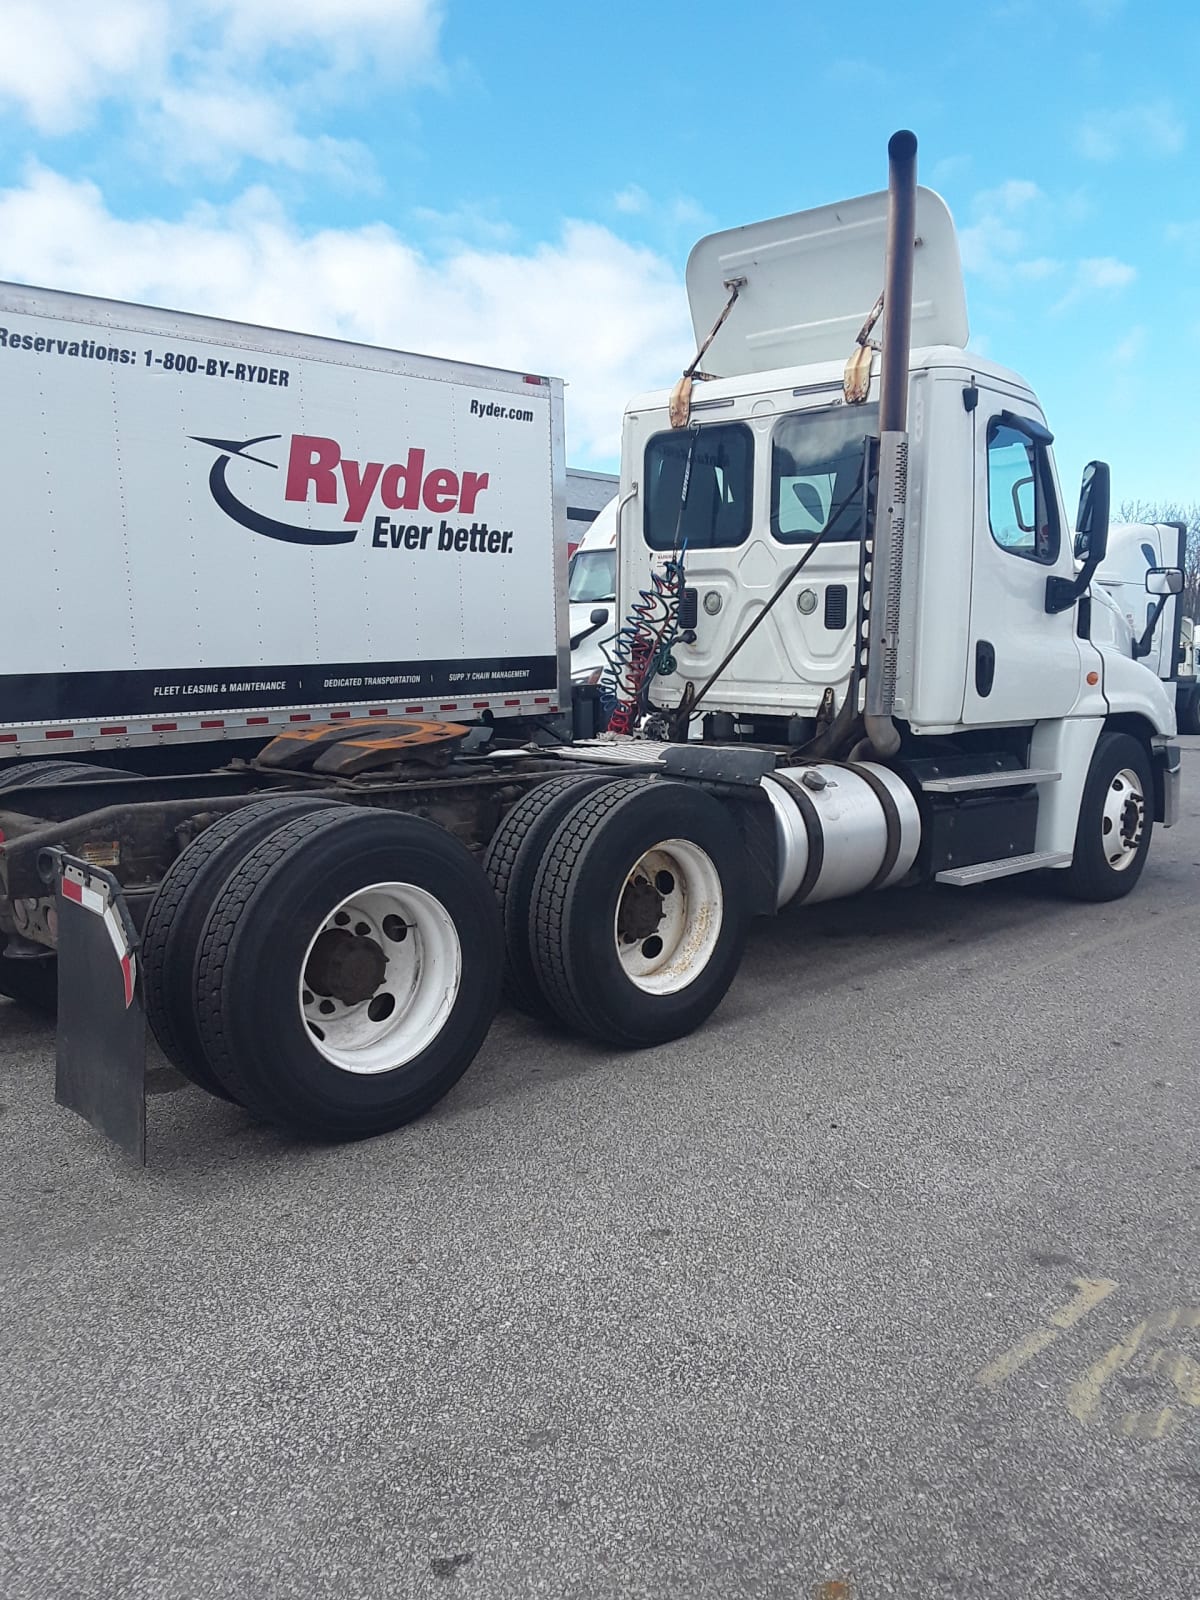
318, 471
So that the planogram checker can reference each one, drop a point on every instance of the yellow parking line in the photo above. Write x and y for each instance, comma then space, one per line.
1083, 1396
1088, 1294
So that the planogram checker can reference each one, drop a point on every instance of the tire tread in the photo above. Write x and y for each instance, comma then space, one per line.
549, 905
499, 863
230, 906
160, 963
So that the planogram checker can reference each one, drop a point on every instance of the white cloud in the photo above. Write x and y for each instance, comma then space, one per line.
1104, 272
681, 211
1037, 269
338, 25
1186, 234
632, 200
1097, 275
1012, 196
993, 243
216, 126
947, 168
59, 58
1127, 350
465, 224
250, 261
212, 80
1153, 129
684, 212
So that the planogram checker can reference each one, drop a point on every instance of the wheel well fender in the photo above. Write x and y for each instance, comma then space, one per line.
1143, 730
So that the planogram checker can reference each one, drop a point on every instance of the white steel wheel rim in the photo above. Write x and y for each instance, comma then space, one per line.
668, 917
1123, 819
368, 1026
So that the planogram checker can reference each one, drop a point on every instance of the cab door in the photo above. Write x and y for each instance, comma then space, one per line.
1024, 664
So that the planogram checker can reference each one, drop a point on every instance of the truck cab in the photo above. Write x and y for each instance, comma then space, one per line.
592, 589
766, 496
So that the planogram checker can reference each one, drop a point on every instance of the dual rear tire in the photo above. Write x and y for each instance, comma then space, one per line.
331, 968
624, 906
336, 969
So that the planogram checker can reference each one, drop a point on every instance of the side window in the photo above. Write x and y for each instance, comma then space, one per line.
1022, 508
816, 474
717, 509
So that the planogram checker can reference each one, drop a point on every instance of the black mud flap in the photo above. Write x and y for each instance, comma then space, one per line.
100, 1067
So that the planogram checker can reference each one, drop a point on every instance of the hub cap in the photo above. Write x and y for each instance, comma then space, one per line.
668, 917
1124, 819
380, 977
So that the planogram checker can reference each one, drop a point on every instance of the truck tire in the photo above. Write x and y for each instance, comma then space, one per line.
176, 918
32, 982
1116, 819
348, 972
638, 916
1189, 711
511, 862
37, 774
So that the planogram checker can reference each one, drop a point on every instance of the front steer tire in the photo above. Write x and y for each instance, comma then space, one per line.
638, 918
256, 1016
1110, 841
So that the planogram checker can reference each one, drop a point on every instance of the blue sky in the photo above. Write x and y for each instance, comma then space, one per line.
521, 183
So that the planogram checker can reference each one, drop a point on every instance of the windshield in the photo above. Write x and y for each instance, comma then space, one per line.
593, 576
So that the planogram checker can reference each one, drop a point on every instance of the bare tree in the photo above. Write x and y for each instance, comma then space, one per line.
1171, 511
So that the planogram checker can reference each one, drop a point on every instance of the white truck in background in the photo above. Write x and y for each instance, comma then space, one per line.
858, 648
592, 594
1160, 635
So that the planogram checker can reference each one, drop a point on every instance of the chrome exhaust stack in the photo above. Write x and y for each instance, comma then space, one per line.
892, 491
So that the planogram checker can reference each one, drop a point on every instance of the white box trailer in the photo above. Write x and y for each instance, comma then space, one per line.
214, 527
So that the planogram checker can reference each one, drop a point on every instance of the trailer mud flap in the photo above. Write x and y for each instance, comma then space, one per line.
100, 1066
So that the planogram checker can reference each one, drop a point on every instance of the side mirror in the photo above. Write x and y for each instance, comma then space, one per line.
1164, 581
1091, 523
1091, 545
600, 615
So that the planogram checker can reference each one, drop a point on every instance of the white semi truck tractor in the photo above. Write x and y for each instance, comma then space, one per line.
857, 646
592, 593
1160, 635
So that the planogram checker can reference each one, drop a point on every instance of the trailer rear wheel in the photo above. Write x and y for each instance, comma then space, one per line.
511, 862
348, 972
638, 917
32, 982
37, 774
176, 920
1116, 820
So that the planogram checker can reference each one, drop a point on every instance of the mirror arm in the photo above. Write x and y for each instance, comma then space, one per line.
1062, 593
594, 627
1142, 646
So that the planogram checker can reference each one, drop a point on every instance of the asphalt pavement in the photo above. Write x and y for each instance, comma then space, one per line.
887, 1282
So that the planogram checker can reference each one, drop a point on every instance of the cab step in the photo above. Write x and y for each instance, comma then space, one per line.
982, 871
968, 782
